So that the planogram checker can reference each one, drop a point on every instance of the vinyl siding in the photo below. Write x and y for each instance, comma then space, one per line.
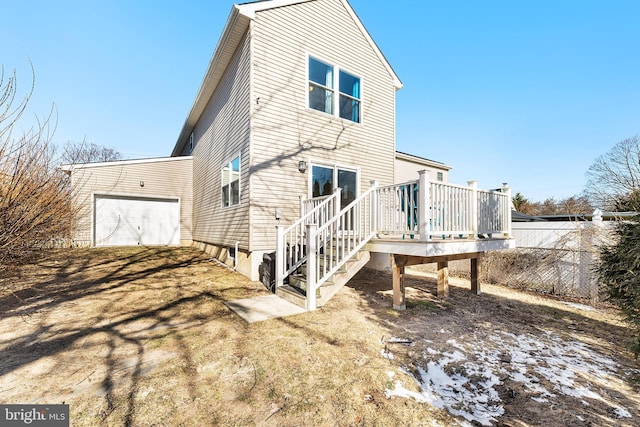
222, 133
162, 178
409, 171
285, 131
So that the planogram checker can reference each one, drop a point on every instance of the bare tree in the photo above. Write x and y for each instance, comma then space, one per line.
615, 175
35, 204
84, 152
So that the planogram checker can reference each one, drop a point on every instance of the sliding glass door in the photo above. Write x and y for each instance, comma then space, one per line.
325, 178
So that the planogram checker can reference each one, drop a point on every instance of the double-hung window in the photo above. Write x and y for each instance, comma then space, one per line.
231, 183
334, 91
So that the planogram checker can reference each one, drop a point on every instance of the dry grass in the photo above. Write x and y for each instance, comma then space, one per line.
141, 336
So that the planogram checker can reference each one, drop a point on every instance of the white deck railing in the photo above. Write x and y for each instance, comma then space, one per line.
321, 208
292, 242
494, 212
417, 209
443, 210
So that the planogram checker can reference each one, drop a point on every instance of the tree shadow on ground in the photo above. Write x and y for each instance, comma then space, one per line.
107, 279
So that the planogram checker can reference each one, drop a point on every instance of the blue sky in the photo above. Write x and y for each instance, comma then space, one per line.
527, 92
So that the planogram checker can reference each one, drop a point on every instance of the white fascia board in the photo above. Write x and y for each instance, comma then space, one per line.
249, 9
396, 80
218, 63
72, 167
422, 161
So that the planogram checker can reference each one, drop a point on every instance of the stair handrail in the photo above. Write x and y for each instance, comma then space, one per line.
291, 241
349, 230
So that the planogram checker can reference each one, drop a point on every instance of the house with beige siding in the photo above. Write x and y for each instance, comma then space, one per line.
282, 91
289, 155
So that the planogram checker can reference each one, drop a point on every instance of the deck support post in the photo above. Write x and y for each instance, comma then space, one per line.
443, 279
475, 275
399, 302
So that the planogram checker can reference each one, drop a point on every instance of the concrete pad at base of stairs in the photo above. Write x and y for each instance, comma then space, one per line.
264, 307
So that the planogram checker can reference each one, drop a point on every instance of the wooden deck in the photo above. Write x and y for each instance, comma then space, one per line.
416, 222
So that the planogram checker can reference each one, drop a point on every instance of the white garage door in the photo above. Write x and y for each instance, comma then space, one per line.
131, 221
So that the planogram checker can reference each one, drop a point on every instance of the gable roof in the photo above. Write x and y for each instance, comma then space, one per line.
234, 30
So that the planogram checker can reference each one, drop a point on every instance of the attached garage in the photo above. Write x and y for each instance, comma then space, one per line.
132, 221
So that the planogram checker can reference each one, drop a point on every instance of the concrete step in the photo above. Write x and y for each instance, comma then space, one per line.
294, 295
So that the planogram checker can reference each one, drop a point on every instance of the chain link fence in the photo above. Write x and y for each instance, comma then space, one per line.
561, 264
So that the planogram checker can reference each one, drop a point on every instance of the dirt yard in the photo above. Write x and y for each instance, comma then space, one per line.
142, 337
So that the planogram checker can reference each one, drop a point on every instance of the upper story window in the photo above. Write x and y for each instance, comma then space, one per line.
231, 183
440, 176
324, 79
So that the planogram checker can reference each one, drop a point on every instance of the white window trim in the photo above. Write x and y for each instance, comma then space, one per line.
336, 89
228, 163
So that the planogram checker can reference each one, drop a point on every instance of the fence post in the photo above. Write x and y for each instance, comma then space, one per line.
424, 216
506, 189
474, 207
311, 267
280, 255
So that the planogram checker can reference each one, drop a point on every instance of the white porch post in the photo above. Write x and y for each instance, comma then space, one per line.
474, 207
311, 267
302, 200
424, 216
507, 189
280, 255
336, 203
375, 208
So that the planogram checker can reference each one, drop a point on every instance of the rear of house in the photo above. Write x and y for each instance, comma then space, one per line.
298, 100
290, 147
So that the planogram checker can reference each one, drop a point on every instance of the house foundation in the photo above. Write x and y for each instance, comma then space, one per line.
245, 263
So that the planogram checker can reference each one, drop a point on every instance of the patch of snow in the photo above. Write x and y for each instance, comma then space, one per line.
386, 354
621, 412
463, 381
579, 306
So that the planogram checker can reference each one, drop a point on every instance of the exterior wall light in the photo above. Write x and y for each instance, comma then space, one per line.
302, 166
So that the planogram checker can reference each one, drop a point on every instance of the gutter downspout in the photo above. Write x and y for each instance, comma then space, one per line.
235, 258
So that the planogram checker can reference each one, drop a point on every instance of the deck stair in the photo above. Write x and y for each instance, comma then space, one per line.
296, 290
